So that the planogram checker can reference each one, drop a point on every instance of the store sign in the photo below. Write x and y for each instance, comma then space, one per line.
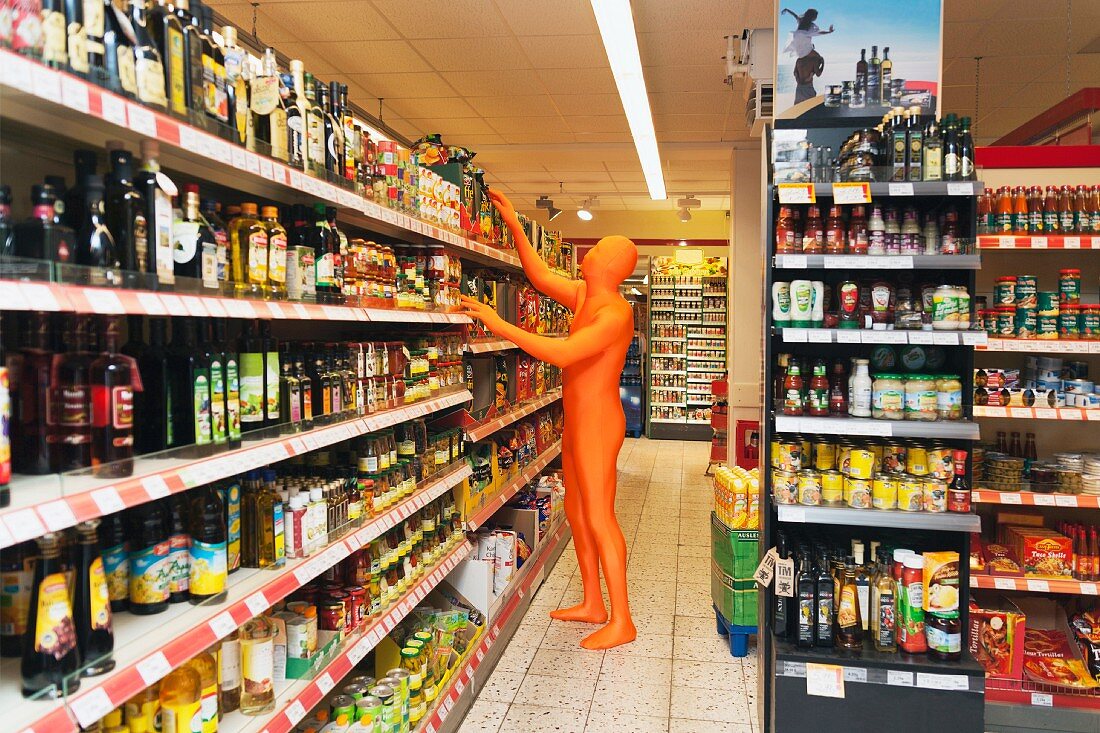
852, 59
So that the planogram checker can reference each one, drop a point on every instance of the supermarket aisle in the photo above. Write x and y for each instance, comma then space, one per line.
678, 676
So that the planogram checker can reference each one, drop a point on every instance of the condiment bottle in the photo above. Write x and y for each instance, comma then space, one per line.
835, 239
148, 559
813, 238
818, 404
911, 637
50, 654
792, 390
884, 612
859, 389
92, 604
849, 620
209, 560
181, 701
958, 495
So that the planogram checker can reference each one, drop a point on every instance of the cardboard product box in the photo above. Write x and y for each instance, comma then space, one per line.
1043, 553
1051, 654
481, 380
505, 394
996, 634
734, 557
999, 559
524, 378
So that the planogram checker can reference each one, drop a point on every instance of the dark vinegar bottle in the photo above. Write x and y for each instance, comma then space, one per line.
50, 655
153, 404
113, 378
71, 424
95, 636
17, 566
149, 568
126, 219
209, 560
115, 546
31, 372
190, 391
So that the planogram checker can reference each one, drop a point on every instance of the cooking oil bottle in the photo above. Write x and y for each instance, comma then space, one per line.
143, 710
205, 663
92, 604
257, 666
180, 701
229, 667
50, 654
208, 547
148, 557
248, 253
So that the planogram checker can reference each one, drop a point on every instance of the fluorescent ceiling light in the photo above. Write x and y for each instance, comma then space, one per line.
620, 42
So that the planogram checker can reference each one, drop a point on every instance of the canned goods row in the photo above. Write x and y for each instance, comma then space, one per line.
862, 459
885, 490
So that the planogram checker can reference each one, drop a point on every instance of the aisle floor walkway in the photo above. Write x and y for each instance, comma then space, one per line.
678, 677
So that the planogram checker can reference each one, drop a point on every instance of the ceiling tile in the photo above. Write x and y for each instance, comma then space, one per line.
535, 17
589, 104
566, 173
604, 137
601, 123
499, 82
506, 125
331, 20
530, 105
450, 126
596, 80
351, 58
687, 136
712, 122
564, 52
627, 177
473, 141
471, 54
526, 138
315, 62
435, 107
667, 48
417, 85
421, 19
701, 15
680, 78
690, 102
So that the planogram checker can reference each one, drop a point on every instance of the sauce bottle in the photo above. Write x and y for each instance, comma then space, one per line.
883, 611
849, 618
116, 562
819, 391
1035, 210
208, 554
857, 231
181, 701
792, 390
92, 604
1019, 211
50, 653
149, 569
1004, 211
784, 231
813, 238
911, 637
835, 232
1051, 220
179, 552
985, 212
113, 379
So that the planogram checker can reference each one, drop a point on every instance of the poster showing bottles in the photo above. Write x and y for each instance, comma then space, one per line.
840, 59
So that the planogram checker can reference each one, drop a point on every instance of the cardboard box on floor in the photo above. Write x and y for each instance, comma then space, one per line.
735, 553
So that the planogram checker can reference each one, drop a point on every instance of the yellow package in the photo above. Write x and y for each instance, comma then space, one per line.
941, 582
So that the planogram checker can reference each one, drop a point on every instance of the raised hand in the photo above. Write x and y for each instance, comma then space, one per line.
477, 310
503, 205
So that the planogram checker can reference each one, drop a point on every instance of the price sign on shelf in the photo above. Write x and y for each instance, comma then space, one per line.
797, 193
1038, 586
1004, 584
153, 667
901, 189
965, 188
1088, 589
1043, 499
57, 515
1010, 497
851, 193
1042, 699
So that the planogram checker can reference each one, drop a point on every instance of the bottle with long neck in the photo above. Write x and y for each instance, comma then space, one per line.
248, 253
194, 249
95, 245
92, 604
252, 388
213, 70
326, 251
168, 35
211, 215
297, 147
192, 58
341, 244
276, 248
85, 164
886, 71
334, 132
849, 622
315, 129
209, 562
54, 53
114, 546
179, 542
952, 155
148, 64
44, 236
125, 216
113, 382
884, 611
158, 190
33, 414
148, 559
190, 391
153, 404
269, 115
236, 85
352, 143
50, 654
781, 611
824, 602
95, 21
118, 51
231, 362
272, 412
966, 151
213, 356
861, 70
71, 436
327, 127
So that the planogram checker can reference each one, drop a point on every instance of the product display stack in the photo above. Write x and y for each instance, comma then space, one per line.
246, 426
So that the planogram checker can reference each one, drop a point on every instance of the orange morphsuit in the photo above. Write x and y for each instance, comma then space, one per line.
591, 358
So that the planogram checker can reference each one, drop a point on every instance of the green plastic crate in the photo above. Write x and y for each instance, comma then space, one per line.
734, 555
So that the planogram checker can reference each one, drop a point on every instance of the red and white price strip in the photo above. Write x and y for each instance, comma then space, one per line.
222, 625
108, 500
92, 707
156, 487
325, 683
295, 711
153, 668
57, 515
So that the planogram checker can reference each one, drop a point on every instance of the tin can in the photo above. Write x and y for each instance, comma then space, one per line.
989, 321
824, 456
934, 493
807, 453
399, 679
1027, 322
784, 487
1046, 327
789, 455
1006, 321
940, 463
832, 488
910, 493
773, 453
1069, 286
861, 464
1047, 302
1027, 287
884, 491
1068, 316
1088, 323
354, 690
368, 712
916, 460
893, 457
809, 487
859, 492
879, 452
331, 617
844, 457
387, 696
342, 705
1004, 291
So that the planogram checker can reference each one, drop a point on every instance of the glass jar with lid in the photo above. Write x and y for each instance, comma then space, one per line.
921, 395
888, 397
949, 397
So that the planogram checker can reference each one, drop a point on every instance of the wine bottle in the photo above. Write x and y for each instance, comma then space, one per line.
315, 129
297, 147
85, 163
192, 40
75, 38
95, 247
341, 245
95, 25
191, 391
50, 654
157, 190
326, 252
6, 243
218, 411
125, 217
153, 405
269, 115
32, 373
167, 33
236, 85
118, 50
335, 140
148, 559
232, 385
71, 407
213, 71
179, 543
194, 248
148, 63
209, 210
44, 236
113, 380
328, 129
54, 53
95, 638
115, 547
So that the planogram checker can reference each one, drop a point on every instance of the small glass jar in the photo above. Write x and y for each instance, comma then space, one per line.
888, 397
921, 397
944, 633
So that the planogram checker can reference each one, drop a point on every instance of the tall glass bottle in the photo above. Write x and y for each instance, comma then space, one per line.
306, 386
231, 362
297, 149
257, 666
334, 142
952, 155
125, 216
31, 369
194, 249
168, 35
326, 250
157, 190
54, 53
253, 374
248, 253
966, 151
352, 143
276, 249
272, 413
95, 21
75, 39
215, 103
824, 599
213, 356
179, 543
209, 564
95, 636
341, 244
211, 214
206, 664
181, 701
884, 612
50, 654
849, 622
112, 381
149, 565
190, 391
269, 116
149, 75
118, 51
290, 395
71, 433
328, 127
44, 235
115, 546
153, 404
95, 247
229, 696
806, 601
315, 128
236, 85
192, 58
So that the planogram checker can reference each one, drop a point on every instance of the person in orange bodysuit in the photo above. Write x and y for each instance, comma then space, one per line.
592, 359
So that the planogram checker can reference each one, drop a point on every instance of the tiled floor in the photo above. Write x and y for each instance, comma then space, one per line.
678, 677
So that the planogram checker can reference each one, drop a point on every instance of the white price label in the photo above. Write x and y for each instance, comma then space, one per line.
1067, 500
788, 513
898, 678
1038, 586
57, 515
901, 189
480, 655
792, 262
156, 487
960, 189
150, 304
252, 163
194, 306
1072, 413
1043, 499
190, 139
91, 707
257, 603
851, 193
1010, 497
142, 121
103, 301
1006, 242
1042, 699
855, 674
74, 93
222, 625
943, 681
974, 338
325, 683
295, 711
276, 310
820, 336
108, 500
214, 307
1004, 584
153, 667
1088, 589
920, 337
1071, 242
114, 109
794, 335
47, 83
824, 680
945, 339
1038, 242
1020, 412
848, 336
266, 169
174, 305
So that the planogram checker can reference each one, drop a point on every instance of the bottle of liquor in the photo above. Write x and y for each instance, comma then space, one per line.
914, 136
863, 584
315, 128
209, 568
884, 612
192, 58
54, 53
272, 412
236, 85
257, 666
326, 249
887, 78
874, 77
328, 128
252, 388
71, 405
125, 216
297, 151
861, 70
50, 655
205, 663
194, 248
269, 115
31, 371
290, 393
76, 41
113, 381
85, 163
952, 154
231, 363
1014, 448
95, 637
153, 404
849, 623
179, 541
213, 356
148, 64
95, 246
43, 236
148, 559
118, 51
335, 140
95, 21
248, 253
824, 598
306, 387
157, 189
276, 249
209, 210
213, 69
6, 244
899, 146
352, 142
114, 545
167, 33
806, 603
966, 151
932, 152
341, 254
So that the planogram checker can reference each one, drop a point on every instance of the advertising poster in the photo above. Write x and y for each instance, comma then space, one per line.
846, 59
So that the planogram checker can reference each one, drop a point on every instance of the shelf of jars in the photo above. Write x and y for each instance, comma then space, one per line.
1043, 346
524, 477
877, 262
70, 107
486, 428
1033, 242
941, 521
1035, 585
53, 502
511, 607
1078, 414
945, 429
296, 698
871, 336
142, 656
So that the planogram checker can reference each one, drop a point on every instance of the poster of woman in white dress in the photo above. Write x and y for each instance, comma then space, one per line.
856, 58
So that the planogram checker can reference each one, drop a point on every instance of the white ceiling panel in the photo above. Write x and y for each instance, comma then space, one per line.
497, 82
377, 55
415, 85
472, 54
579, 81
330, 20
423, 19
436, 107
564, 52
589, 104
452, 127
538, 17
514, 105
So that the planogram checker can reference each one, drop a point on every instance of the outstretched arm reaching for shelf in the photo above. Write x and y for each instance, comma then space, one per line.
557, 287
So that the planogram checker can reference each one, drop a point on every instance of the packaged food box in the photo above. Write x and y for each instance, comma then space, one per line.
1043, 553
941, 582
1050, 656
1001, 560
996, 634
977, 557
1086, 629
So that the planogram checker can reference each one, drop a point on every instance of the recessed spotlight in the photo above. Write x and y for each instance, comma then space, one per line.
683, 243
584, 213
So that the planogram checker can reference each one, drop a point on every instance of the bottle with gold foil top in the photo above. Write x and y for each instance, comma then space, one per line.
50, 654
92, 603
206, 664
248, 253
276, 252
181, 701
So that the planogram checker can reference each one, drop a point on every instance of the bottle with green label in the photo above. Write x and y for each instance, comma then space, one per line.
209, 559
148, 559
213, 355
191, 393
252, 386
231, 362
272, 415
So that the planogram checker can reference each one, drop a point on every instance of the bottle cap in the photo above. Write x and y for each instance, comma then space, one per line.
270, 212
229, 35
248, 208
914, 561
900, 554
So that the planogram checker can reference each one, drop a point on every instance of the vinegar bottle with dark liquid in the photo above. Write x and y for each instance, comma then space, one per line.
31, 376
71, 424
92, 604
50, 654
113, 377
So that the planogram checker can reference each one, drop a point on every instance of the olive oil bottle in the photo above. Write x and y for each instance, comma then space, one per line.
206, 664
849, 621
257, 666
95, 636
149, 568
180, 701
208, 548
248, 253
50, 654
179, 553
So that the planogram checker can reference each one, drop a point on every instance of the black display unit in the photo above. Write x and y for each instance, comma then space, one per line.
917, 693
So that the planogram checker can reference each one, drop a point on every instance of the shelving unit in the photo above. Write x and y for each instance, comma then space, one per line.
1028, 242
513, 486
487, 427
